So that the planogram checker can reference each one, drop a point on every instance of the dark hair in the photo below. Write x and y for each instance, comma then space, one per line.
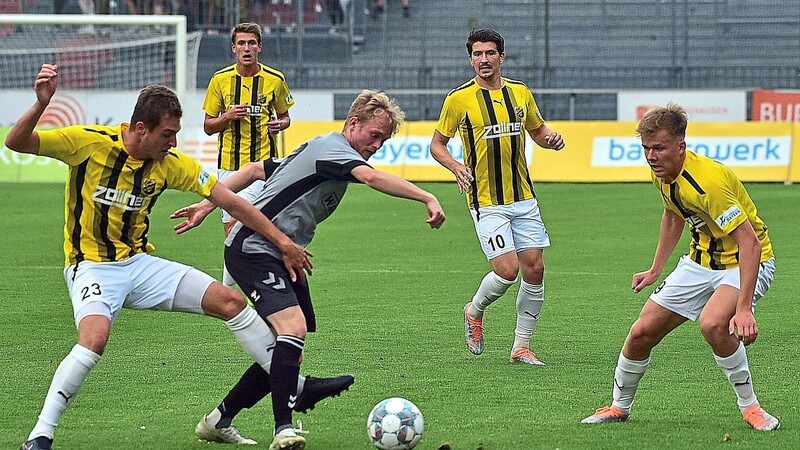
154, 103
673, 119
246, 27
485, 35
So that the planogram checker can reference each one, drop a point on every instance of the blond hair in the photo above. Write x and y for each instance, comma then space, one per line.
369, 104
672, 118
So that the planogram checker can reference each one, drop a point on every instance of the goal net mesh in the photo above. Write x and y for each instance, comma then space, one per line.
95, 56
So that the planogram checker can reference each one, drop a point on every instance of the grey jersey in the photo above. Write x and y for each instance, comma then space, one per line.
303, 191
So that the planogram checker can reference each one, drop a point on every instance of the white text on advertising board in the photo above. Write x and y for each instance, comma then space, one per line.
733, 151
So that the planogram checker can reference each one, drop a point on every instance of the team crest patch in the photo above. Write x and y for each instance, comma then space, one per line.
519, 112
262, 99
289, 98
148, 187
203, 177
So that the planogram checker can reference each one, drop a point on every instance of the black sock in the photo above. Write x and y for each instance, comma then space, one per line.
283, 375
249, 390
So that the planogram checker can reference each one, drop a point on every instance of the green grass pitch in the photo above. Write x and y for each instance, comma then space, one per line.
389, 294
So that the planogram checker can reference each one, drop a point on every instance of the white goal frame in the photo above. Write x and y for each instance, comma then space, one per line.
177, 22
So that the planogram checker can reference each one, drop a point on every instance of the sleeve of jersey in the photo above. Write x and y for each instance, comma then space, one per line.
185, 174
338, 164
63, 144
724, 208
533, 118
212, 104
284, 99
448, 118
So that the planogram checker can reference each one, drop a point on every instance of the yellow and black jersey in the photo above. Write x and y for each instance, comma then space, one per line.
109, 194
246, 140
712, 200
492, 124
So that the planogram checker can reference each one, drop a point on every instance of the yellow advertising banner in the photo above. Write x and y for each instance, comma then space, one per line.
595, 151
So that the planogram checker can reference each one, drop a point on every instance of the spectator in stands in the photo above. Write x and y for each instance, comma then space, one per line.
247, 103
380, 6
493, 113
336, 13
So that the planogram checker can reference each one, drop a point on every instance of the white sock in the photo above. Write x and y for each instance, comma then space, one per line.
491, 288
529, 304
254, 336
626, 381
67, 381
227, 279
737, 371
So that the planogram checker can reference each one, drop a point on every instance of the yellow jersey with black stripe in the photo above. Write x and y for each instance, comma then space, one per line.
492, 124
109, 194
246, 140
713, 202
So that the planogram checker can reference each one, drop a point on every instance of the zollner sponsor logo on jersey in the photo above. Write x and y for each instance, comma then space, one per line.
695, 221
119, 198
726, 217
502, 129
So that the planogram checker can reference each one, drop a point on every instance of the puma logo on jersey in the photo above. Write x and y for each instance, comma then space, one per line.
502, 129
120, 198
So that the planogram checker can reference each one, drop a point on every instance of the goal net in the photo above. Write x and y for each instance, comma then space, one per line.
99, 52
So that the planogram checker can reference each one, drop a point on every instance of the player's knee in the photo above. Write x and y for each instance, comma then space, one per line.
95, 339
225, 303
713, 328
641, 338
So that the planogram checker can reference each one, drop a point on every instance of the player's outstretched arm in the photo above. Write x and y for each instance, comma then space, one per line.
22, 137
295, 257
398, 187
196, 213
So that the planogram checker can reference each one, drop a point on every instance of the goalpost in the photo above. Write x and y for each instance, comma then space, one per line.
104, 61
99, 52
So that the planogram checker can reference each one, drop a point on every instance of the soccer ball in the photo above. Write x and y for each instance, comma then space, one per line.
395, 424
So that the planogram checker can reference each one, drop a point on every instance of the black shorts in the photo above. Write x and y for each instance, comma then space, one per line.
266, 283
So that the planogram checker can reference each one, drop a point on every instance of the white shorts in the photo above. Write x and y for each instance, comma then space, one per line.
141, 282
249, 193
506, 228
687, 289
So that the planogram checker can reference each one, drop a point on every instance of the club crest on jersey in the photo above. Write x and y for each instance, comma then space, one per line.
502, 129
148, 187
262, 99
519, 112
120, 198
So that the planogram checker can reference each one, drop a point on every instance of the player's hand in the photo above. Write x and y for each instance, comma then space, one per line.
297, 261
435, 213
744, 325
464, 177
46, 83
237, 112
643, 279
194, 214
275, 125
554, 141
